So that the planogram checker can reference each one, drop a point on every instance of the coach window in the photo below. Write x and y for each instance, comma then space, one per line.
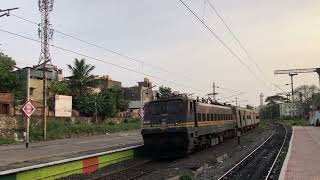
198, 116
203, 117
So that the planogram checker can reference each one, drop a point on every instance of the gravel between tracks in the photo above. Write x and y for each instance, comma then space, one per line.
213, 162
257, 165
207, 164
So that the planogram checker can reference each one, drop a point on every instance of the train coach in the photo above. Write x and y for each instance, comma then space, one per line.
179, 125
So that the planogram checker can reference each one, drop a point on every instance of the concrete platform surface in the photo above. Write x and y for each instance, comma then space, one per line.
303, 159
17, 156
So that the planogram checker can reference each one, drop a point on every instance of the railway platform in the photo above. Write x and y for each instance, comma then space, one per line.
17, 156
302, 160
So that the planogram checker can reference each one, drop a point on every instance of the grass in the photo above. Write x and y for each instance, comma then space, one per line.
5, 140
185, 175
62, 129
294, 122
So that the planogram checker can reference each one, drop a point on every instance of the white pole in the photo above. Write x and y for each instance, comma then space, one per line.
141, 104
28, 98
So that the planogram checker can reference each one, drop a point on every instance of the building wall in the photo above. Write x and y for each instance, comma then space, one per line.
134, 93
6, 104
36, 90
286, 109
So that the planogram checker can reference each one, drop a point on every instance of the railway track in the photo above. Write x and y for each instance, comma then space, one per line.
134, 171
259, 164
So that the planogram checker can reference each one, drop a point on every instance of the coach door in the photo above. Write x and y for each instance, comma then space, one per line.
195, 113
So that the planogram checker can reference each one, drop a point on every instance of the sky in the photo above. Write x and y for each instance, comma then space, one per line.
177, 50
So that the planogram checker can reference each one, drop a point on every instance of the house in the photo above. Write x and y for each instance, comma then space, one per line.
36, 82
105, 82
139, 94
288, 109
6, 104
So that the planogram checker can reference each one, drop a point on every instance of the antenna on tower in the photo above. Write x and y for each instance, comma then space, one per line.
45, 34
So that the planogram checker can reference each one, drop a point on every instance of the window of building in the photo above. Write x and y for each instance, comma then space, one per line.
212, 118
31, 91
208, 117
191, 107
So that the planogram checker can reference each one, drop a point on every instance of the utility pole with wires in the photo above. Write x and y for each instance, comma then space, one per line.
45, 33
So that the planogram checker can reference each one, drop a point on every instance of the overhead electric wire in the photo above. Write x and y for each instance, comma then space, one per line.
223, 43
100, 60
238, 94
234, 35
218, 38
143, 63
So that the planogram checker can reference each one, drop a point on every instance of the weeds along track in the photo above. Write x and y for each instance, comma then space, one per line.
260, 162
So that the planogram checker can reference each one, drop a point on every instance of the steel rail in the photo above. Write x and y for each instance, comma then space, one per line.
284, 141
247, 155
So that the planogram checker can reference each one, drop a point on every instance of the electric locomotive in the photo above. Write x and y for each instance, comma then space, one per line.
179, 125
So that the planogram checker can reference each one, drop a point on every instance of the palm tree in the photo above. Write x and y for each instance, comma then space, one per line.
81, 79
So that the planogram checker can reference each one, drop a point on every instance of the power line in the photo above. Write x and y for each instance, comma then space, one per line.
234, 35
103, 61
231, 96
239, 42
143, 63
123, 55
218, 38
223, 43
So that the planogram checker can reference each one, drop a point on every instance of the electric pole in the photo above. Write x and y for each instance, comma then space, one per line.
214, 91
45, 33
292, 92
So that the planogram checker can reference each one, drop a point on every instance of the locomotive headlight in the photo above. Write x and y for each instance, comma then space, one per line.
176, 124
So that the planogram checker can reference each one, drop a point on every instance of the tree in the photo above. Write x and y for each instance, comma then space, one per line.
81, 79
275, 99
272, 110
306, 95
107, 103
8, 78
58, 87
165, 91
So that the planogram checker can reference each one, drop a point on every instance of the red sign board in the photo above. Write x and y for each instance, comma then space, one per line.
28, 109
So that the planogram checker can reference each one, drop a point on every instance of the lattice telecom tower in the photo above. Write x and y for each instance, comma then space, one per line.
45, 33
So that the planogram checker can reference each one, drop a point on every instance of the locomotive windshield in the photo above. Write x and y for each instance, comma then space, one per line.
166, 107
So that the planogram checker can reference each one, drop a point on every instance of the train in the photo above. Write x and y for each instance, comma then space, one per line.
179, 125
